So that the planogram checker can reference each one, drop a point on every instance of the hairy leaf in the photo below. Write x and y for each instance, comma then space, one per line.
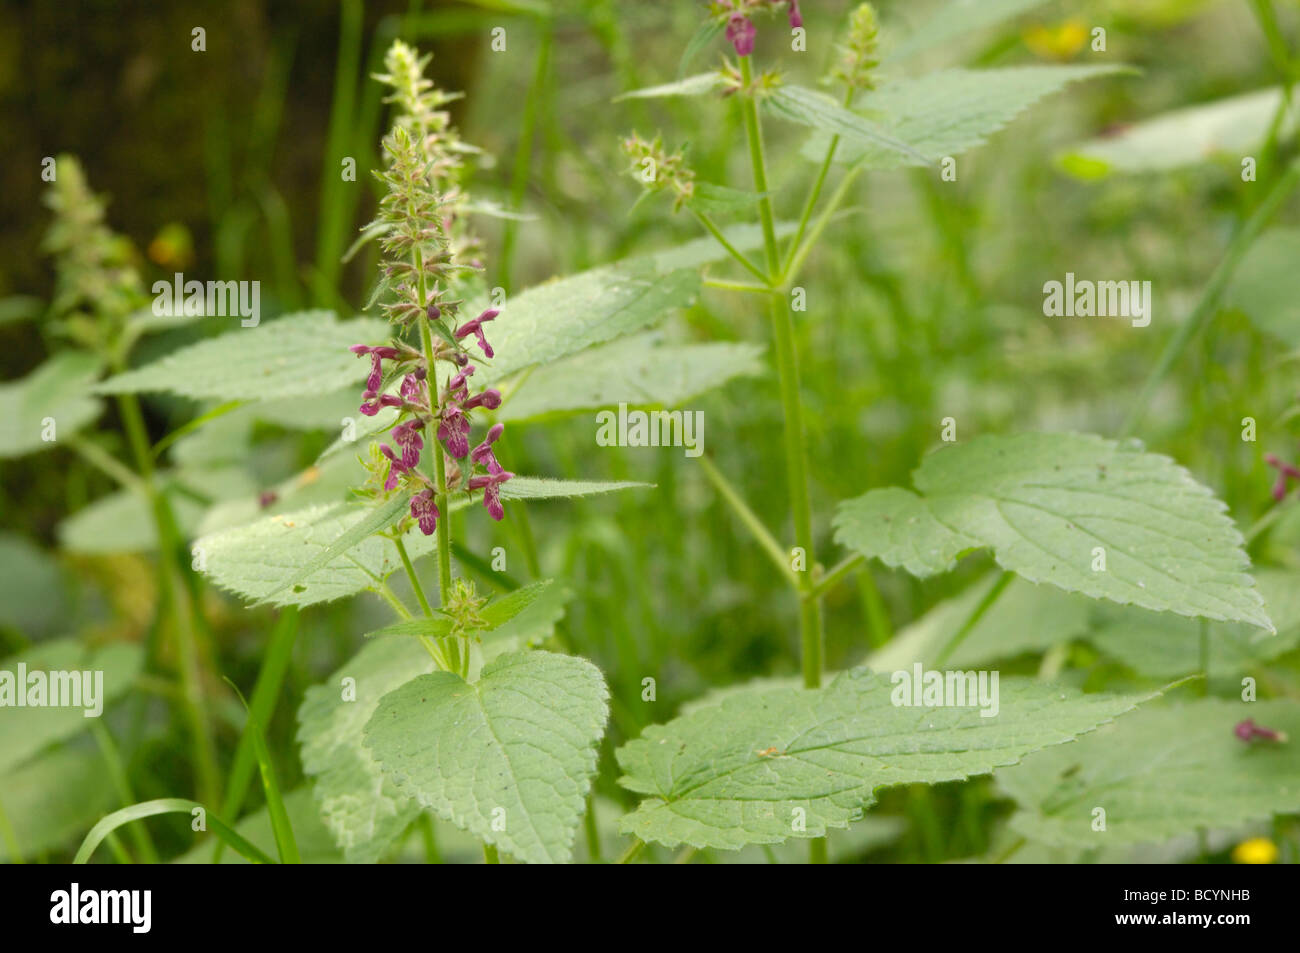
639, 371
696, 85
1050, 505
960, 18
818, 111
300, 355
949, 112
509, 757
362, 813
766, 765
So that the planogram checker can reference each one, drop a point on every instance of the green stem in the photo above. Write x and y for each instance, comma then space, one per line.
731, 249
410, 574
1205, 307
172, 595
524, 151
832, 578
737, 286
632, 853
984, 605
751, 521
592, 831
832, 206
787, 365
815, 193
490, 855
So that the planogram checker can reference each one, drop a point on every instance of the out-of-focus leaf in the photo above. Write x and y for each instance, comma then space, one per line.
1264, 285
696, 85
58, 391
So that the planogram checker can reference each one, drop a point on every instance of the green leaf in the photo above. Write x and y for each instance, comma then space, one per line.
723, 200
553, 320
696, 85
958, 19
285, 844
949, 112
1160, 773
818, 111
640, 371
35, 595
1025, 618
1229, 128
1263, 285
709, 30
496, 613
255, 559
363, 814
515, 750
372, 520
1044, 503
58, 389
52, 799
29, 730
745, 770
1164, 646
300, 355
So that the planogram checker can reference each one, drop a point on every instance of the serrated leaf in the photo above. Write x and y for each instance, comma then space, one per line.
949, 112
1158, 774
1164, 646
552, 320
734, 774
517, 747
818, 111
60, 390
1230, 127
362, 813
253, 559
960, 18
299, 355
639, 371
28, 730
1043, 502
696, 85
1263, 285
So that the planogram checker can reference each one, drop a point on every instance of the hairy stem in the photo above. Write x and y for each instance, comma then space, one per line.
731, 249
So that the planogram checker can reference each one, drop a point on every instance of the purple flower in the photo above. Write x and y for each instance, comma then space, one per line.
1285, 472
796, 18
412, 389
740, 34
457, 386
425, 511
490, 398
1248, 731
396, 467
407, 436
453, 430
475, 327
490, 484
483, 455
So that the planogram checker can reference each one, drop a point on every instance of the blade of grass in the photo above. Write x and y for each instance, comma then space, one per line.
167, 805
280, 826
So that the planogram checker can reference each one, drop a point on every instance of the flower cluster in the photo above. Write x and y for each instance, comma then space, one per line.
658, 170
740, 30
858, 61
419, 266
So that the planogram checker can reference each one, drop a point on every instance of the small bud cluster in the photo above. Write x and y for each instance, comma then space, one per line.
670, 170
96, 282
858, 60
